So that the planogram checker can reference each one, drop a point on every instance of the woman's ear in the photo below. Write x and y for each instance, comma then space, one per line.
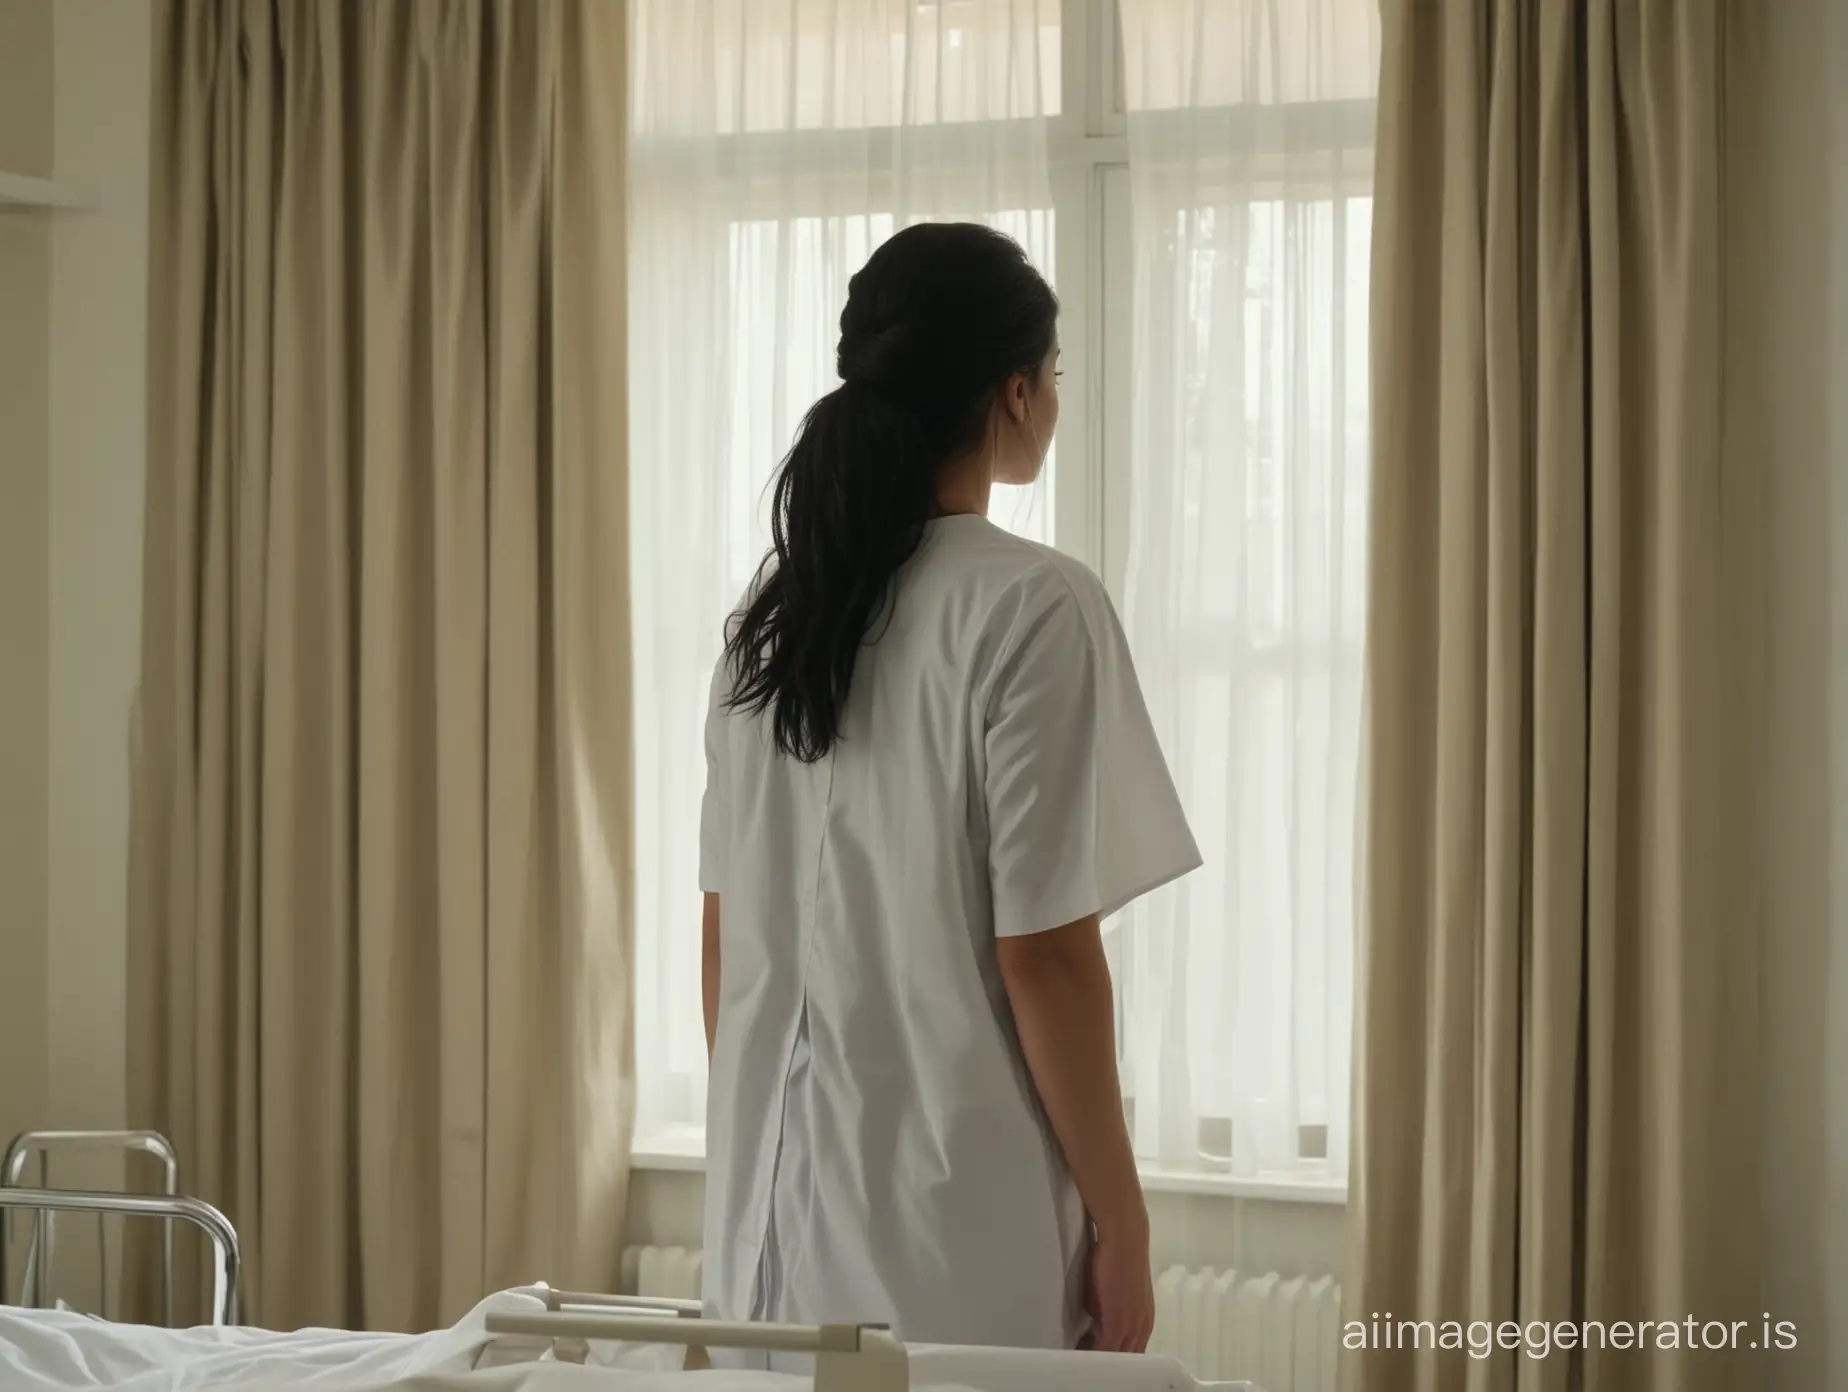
1014, 393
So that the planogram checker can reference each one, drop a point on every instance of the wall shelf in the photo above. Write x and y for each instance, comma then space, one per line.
23, 193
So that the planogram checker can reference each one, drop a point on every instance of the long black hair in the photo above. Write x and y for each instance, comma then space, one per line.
939, 317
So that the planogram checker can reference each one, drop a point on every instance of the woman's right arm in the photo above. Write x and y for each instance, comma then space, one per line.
1082, 819
1058, 983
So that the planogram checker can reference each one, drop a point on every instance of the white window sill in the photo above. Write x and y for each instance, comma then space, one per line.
684, 1151
1274, 1188
678, 1149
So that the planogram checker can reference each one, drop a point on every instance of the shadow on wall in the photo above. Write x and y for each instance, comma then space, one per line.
1804, 986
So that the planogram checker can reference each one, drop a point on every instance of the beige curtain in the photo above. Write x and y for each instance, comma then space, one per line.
379, 947
1556, 1102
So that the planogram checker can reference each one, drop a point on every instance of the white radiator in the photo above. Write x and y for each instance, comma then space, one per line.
1282, 1333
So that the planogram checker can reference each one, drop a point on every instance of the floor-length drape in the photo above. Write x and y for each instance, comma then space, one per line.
378, 926
1556, 1069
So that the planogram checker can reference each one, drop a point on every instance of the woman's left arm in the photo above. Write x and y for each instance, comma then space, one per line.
709, 968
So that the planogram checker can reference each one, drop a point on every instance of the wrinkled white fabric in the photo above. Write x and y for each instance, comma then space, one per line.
58, 1351
1037, 1370
876, 1151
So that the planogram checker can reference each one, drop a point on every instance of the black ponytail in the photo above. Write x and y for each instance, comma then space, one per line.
939, 317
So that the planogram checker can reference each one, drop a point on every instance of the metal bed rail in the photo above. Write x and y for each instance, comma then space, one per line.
226, 1258
43, 1143
848, 1357
556, 1300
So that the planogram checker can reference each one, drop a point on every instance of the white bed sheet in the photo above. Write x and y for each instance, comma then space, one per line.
57, 1351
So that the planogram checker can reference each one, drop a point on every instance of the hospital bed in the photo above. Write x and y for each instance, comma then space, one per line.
524, 1340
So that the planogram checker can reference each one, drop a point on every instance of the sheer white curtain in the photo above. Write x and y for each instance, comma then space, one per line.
1250, 134
775, 143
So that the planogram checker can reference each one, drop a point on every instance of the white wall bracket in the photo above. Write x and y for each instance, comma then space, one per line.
24, 193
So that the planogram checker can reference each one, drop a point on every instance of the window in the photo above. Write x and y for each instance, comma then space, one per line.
1206, 226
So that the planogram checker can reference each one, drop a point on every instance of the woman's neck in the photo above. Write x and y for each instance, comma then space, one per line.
964, 487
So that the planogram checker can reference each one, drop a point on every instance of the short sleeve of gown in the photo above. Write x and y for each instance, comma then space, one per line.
1083, 816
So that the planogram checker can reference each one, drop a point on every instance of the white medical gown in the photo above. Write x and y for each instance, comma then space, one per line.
876, 1151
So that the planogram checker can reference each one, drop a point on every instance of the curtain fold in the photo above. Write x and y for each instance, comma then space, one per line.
1556, 1090
378, 924
775, 144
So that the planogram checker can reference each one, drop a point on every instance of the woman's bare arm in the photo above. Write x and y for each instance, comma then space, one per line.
1058, 983
709, 968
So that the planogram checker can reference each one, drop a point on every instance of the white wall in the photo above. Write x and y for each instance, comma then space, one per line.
1805, 980
25, 267
71, 413
74, 80
98, 440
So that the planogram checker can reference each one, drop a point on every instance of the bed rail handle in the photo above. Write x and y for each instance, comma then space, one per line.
848, 1357
557, 1300
226, 1258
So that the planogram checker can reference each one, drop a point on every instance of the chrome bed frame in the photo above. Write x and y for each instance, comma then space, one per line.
848, 1357
44, 1202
